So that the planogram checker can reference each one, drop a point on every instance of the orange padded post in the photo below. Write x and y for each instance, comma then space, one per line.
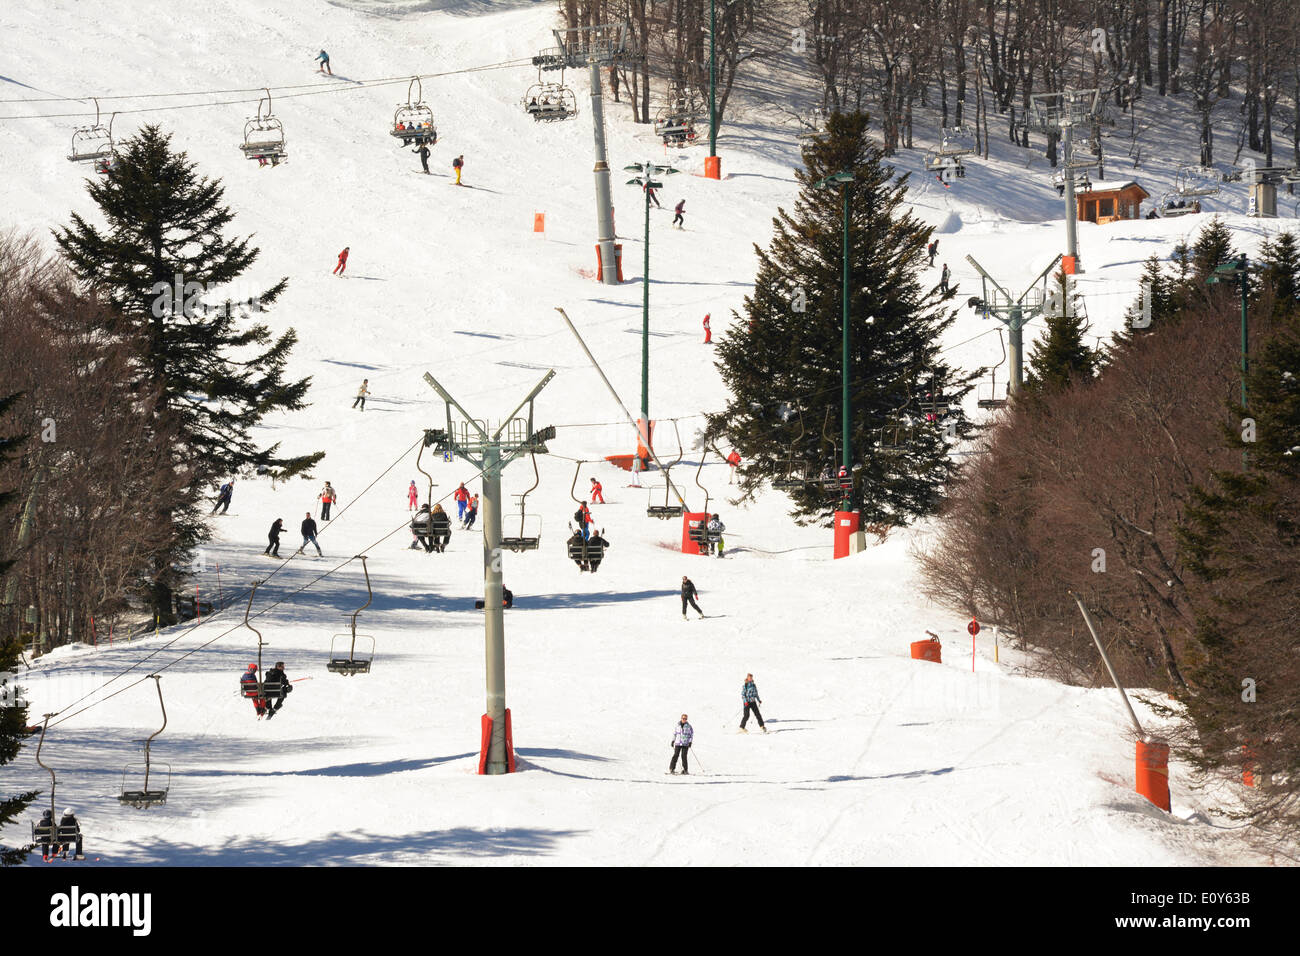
539, 222
1153, 772
712, 167
927, 651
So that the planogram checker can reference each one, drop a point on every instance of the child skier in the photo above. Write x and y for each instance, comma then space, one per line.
678, 209
708, 330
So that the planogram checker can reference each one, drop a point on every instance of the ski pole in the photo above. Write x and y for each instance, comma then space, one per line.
697, 761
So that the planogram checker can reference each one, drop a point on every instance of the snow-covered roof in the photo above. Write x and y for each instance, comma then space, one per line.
1114, 185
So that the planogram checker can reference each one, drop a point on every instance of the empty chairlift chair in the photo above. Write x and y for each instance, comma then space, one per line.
94, 144
668, 509
345, 658
529, 536
147, 793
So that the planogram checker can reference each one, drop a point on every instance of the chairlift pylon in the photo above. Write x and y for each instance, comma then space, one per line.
146, 796
413, 120
353, 663
264, 135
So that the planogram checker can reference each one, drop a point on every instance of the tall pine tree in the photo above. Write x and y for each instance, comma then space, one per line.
1062, 358
162, 250
782, 366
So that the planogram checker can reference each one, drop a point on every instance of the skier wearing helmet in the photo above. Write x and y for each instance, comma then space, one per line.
249, 686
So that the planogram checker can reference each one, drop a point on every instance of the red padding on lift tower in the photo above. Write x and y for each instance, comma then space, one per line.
486, 743
1153, 772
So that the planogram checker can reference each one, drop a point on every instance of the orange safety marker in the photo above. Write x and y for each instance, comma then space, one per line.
539, 222
929, 650
1153, 772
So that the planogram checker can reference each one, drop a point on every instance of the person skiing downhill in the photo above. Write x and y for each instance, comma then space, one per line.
708, 330
688, 595
683, 734
749, 698
362, 392
462, 501
650, 191
223, 497
733, 461
324, 63
458, 164
412, 496
471, 512
343, 262
597, 494
678, 210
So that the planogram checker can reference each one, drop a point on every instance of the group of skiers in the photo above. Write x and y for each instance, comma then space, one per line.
328, 497
430, 528
932, 250
684, 733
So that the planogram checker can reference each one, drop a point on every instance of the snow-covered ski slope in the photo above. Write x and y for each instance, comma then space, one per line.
873, 757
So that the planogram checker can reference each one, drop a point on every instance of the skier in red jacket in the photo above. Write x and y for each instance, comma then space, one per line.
343, 261
461, 497
597, 493
708, 331
734, 461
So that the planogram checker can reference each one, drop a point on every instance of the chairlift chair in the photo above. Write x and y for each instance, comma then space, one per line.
529, 537
550, 102
94, 144
814, 124
264, 135
353, 663
1173, 205
413, 121
893, 439
55, 834
259, 688
145, 796
1196, 181
795, 472
988, 395
666, 510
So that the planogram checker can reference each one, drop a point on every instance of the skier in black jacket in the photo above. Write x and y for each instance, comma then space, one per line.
420, 528
688, 594
276, 675
596, 546
440, 525
273, 538
309, 534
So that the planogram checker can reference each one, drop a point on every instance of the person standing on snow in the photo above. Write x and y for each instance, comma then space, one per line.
462, 502
733, 462
683, 734
362, 392
933, 250
423, 153
343, 261
597, 493
328, 496
749, 697
688, 595
412, 496
943, 279
324, 63
678, 210
308, 530
708, 330
458, 164
273, 538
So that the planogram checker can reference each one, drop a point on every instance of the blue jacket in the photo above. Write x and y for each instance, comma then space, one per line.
749, 693
682, 735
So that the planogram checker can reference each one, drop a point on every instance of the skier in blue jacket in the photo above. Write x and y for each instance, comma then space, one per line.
749, 697
324, 63
682, 736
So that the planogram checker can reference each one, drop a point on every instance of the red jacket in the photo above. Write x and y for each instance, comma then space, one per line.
461, 494
343, 256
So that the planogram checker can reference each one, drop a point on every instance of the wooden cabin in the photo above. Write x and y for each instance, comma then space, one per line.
1108, 201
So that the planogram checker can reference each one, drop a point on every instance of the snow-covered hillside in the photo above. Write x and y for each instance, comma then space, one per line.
873, 757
